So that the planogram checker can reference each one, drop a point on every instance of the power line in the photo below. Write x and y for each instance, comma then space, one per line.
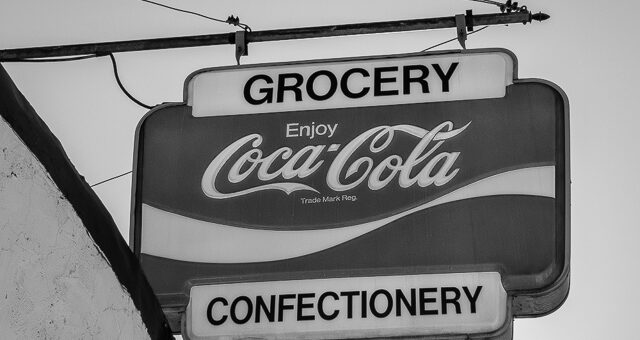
111, 179
450, 40
231, 20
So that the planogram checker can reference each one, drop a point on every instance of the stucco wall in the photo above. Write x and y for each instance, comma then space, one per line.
54, 282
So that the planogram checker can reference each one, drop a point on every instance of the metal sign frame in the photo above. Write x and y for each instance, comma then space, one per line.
520, 303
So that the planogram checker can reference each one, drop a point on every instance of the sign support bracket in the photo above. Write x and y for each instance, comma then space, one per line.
461, 29
464, 24
242, 47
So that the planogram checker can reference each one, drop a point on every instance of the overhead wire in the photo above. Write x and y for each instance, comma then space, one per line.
231, 20
453, 39
111, 179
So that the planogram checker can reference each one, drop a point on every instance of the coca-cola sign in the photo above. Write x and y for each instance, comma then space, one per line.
356, 168
436, 167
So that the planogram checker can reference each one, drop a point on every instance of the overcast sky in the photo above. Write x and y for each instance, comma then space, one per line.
594, 60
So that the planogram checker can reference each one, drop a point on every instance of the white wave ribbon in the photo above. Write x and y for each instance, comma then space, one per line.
182, 238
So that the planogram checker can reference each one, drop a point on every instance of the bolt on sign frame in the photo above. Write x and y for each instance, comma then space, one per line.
406, 195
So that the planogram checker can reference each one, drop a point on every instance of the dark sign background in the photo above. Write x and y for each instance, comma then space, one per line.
503, 134
523, 237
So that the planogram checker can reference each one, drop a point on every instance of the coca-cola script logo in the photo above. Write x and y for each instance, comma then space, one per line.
438, 166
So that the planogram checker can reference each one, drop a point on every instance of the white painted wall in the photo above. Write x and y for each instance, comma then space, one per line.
54, 281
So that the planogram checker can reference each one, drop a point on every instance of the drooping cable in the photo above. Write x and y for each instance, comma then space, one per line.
124, 90
82, 57
115, 70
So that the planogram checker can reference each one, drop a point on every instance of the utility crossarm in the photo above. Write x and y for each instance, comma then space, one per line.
270, 35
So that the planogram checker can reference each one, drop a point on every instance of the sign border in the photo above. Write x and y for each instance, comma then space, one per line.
520, 303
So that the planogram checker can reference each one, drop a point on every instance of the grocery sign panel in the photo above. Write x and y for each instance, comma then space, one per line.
421, 194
